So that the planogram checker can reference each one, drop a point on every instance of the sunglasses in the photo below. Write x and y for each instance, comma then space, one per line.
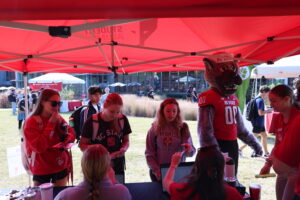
55, 103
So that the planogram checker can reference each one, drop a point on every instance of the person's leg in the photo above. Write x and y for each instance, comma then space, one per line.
152, 176
290, 185
264, 142
14, 106
61, 182
232, 148
282, 177
20, 123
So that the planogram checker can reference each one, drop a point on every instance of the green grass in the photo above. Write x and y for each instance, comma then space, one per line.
137, 170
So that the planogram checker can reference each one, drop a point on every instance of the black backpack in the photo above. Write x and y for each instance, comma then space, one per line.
74, 121
251, 110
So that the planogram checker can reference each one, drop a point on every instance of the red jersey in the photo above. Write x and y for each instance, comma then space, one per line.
231, 192
41, 135
287, 150
225, 108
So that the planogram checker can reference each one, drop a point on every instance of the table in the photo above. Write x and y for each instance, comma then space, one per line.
138, 191
72, 105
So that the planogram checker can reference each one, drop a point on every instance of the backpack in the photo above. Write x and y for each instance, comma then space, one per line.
74, 121
251, 110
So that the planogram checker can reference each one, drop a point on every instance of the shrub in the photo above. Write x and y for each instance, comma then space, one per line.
4, 103
146, 107
67, 93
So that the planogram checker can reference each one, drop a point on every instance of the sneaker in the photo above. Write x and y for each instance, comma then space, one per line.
241, 154
267, 155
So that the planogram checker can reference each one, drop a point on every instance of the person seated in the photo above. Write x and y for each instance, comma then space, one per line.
206, 180
99, 181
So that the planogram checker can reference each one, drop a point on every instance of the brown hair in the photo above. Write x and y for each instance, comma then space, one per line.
283, 91
206, 178
114, 99
45, 95
160, 118
95, 164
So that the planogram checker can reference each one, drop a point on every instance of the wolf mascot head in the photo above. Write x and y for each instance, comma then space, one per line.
222, 73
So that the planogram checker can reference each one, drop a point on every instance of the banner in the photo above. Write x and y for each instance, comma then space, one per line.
242, 89
38, 86
14, 161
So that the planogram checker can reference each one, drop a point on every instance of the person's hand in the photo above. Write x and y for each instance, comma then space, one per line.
176, 158
118, 154
187, 148
157, 174
265, 170
55, 118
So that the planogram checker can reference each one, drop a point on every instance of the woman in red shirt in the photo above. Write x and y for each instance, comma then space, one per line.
206, 180
46, 133
285, 155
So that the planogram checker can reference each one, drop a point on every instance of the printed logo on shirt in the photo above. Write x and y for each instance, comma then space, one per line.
202, 99
59, 161
167, 140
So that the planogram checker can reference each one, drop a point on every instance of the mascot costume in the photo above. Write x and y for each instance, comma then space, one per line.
219, 119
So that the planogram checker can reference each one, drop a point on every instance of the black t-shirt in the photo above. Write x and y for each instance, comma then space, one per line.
106, 136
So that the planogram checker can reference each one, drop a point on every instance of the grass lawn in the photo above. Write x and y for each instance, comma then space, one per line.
137, 170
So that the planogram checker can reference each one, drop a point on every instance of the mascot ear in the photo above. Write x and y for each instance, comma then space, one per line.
209, 64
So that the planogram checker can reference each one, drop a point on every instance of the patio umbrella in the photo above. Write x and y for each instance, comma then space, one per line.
117, 84
134, 84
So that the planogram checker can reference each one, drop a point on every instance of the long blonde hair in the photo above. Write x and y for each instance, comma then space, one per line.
95, 164
114, 99
160, 119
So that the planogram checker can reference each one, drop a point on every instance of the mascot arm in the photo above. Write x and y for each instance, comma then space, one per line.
205, 126
247, 137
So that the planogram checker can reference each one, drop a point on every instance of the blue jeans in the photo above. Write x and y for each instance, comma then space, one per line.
13, 106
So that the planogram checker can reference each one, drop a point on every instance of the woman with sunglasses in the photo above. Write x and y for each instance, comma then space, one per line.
46, 132
206, 180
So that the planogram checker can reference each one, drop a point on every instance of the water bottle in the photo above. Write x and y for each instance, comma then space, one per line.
229, 171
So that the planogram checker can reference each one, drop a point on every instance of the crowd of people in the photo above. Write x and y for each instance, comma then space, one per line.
105, 139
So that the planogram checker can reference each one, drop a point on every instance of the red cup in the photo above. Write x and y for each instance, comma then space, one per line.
255, 191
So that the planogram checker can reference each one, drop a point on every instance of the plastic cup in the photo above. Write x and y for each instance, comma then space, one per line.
47, 191
255, 190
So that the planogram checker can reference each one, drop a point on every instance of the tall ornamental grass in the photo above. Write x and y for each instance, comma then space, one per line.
146, 107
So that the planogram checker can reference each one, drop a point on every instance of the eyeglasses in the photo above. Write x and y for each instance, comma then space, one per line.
55, 103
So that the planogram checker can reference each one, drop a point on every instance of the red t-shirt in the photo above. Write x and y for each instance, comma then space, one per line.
231, 192
287, 150
226, 109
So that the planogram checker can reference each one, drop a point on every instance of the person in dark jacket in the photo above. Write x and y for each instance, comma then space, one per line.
93, 105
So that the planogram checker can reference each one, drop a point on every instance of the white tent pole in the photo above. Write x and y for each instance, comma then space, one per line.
258, 47
25, 94
12, 60
9, 68
156, 60
69, 62
66, 50
24, 26
289, 53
